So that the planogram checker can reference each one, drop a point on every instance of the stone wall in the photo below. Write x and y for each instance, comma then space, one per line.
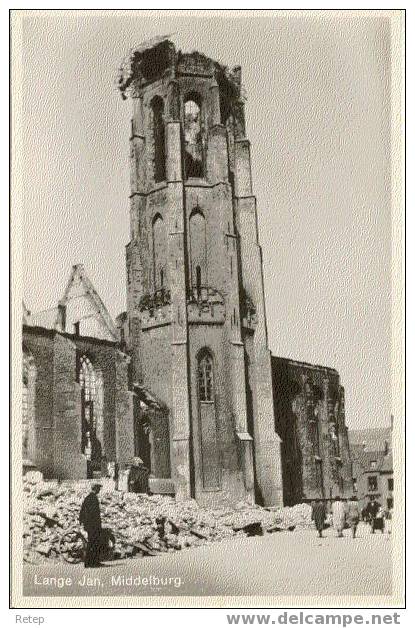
41, 348
232, 486
68, 461
310, 419
57, 401
124, 418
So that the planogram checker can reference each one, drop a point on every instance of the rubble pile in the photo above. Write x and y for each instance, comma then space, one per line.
294, 517
141, 524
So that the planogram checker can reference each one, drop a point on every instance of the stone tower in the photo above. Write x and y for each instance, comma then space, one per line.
196, 315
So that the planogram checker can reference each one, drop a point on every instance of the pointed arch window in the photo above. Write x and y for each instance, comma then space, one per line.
159, 253
198, 250
157, 115
206, 378
193, 137
92, 405
209, 441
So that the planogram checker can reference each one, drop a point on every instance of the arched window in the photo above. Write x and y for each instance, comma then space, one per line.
157, 110
193, 137
209, 449
87, 378
159, 253
92, 399
198, 249
206, 378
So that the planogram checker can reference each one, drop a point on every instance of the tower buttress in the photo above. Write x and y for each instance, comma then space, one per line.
179, 329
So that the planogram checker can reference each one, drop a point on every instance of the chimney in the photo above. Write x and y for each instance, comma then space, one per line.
62, 316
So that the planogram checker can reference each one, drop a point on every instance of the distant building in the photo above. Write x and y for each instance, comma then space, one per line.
373, 465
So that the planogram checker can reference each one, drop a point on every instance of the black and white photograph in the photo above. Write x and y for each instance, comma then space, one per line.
207, 308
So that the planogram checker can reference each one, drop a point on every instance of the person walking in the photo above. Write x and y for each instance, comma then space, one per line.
318, 515
339, 516
353, 515
380, 520
90, 518
388, 520
372, 510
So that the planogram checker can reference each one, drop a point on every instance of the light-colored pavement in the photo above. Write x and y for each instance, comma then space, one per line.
284, 563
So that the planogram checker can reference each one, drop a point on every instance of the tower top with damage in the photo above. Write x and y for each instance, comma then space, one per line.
196, 311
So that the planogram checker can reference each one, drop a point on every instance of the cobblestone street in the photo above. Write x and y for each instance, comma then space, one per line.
286, 564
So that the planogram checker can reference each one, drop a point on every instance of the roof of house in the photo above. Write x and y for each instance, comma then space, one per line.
383, 462
387, 463
372, 438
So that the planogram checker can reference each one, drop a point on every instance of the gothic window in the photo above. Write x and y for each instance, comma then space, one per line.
193, 137
209, 449
92, 399
87, 378
157, 110
159, 253
198, 249
206, 378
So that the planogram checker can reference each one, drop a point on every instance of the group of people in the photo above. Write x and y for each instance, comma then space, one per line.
346, 514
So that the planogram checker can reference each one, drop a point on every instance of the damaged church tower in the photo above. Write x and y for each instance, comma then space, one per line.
196, 324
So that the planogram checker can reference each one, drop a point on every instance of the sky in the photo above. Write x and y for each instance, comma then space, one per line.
318, 117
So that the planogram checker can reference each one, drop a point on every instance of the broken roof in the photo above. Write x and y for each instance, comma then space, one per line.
80, 302
148, 398
149, 61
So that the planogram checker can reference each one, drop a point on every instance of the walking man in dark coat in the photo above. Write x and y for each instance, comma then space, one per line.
372, 510
318, 515
90, 518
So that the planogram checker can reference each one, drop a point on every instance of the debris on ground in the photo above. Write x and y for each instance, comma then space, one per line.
143, 525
